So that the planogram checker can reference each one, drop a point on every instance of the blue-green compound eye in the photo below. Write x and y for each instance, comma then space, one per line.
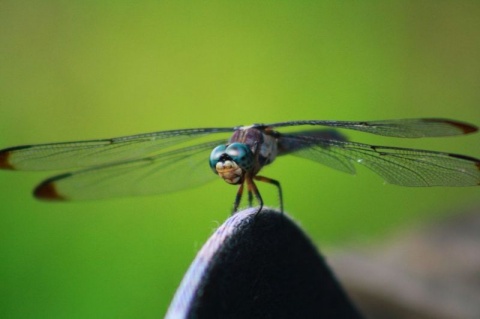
240, 154
215, 156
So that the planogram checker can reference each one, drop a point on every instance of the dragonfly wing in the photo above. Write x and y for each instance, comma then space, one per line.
411, 167
407, 128
66, 155
305, 144
400, 166
167, 172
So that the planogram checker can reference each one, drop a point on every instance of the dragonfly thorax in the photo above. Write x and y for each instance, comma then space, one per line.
231, 162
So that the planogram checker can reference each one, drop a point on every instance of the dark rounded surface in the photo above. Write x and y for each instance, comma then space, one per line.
260, 266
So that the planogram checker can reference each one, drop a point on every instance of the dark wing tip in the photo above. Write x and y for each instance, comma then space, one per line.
5, 156
478, 167
466, 128
47, 190
4, 161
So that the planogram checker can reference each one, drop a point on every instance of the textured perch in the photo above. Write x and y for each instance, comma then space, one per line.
260, 267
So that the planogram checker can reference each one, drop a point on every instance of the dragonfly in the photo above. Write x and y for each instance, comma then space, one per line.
167, 161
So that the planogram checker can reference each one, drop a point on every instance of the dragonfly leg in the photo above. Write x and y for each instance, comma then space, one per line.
238, 198
250, 198
274, 182
252, 188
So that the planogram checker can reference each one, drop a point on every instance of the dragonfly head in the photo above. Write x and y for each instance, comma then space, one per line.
231, 162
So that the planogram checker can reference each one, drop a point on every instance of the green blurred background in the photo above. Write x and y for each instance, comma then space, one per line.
72, 70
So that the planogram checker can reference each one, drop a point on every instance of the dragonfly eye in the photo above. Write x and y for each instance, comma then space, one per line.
231, 162
240, 154
236, 152
215, 156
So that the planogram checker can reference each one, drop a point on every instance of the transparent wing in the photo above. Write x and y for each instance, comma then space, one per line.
313, 144
408, 128
400, 166
167, 172
96, 152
